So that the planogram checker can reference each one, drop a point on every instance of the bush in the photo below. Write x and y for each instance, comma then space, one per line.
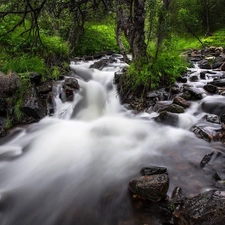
97, 38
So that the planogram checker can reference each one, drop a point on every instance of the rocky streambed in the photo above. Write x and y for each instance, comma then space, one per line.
180, 180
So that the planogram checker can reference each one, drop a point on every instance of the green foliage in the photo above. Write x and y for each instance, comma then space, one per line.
23, 64
217, 39
17, 111
97, 38
143, 76
54, 45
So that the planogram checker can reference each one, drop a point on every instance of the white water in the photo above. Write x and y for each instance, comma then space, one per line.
74, 167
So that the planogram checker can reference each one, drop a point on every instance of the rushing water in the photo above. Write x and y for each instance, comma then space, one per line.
74, 167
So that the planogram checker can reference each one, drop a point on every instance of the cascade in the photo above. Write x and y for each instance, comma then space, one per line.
74, 167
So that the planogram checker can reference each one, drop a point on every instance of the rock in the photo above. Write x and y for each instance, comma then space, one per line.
3, 132
211, 88
195, 94
32, 104
218, 83
167, 118
35, 78
206, 159
152, 187
9, 84
3, 107
181, 102
182, 79
117, 75
222, 67
174, 108
214, 106
45, 87
153, 170
213, 119
207, 208
203, 75
193, 78
69, 86
202, 133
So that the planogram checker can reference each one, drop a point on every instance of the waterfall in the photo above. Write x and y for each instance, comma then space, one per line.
74, 167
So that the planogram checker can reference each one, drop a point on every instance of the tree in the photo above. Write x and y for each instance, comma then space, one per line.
131, 21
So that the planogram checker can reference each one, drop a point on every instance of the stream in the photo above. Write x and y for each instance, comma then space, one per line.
73, 168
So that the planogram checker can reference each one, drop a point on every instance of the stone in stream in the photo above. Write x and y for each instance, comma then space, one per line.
211, 88
207, 208
181, 102
214, 106
152, 187
153, 170
167, 118
69, 86
218, 83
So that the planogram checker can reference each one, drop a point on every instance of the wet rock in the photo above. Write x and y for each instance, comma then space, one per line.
33, 105
3, 132
186, 95
211, 88
101, 64
9, 84
207, 208
153, 170
195, 93
222, 118
152, 187
35, 78
167, 118
117, 75
213, 119
202, 133
203, 75
174, 108
193, 78
214, 106
69, 86
45, 87
222, 67
181, 102
182, 79
218, 83
206, 159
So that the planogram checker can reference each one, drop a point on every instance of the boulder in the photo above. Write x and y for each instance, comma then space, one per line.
211, 88
195, 94
3, 132
214, 106
181, 102
33, 105
218, 83
167, 118
152, 187
174, 108
9, 84
69, 86
207, 208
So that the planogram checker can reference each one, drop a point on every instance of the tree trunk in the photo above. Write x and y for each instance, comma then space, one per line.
130, 20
